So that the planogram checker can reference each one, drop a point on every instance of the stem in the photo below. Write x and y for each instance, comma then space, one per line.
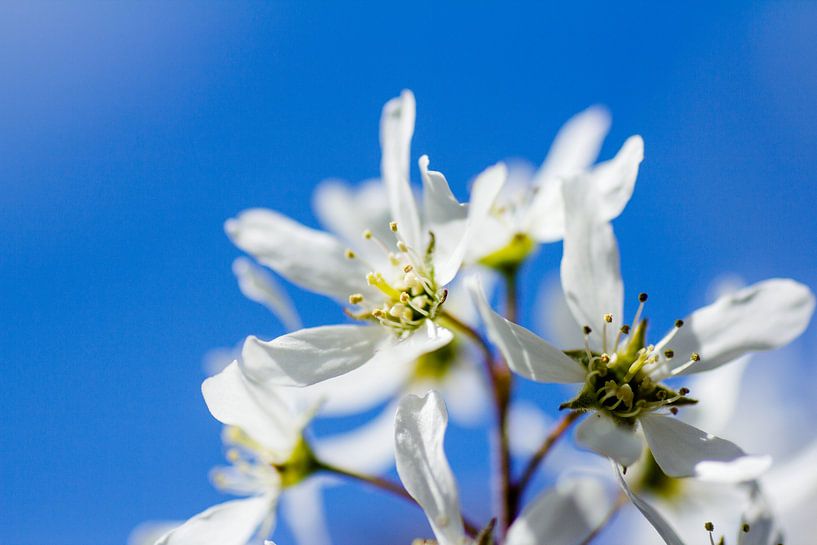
611, 515
511, 293
518, 490
389, 486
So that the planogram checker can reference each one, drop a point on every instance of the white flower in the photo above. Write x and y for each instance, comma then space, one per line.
530, 209
397, 284
563, 515
267, 452
258, 286
621, 373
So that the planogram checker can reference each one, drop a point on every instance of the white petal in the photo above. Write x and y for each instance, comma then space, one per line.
260, 287
681, 450
235, 400
524, 352
465, 392
791, 483
361, 389
396, 130
311, 259
763, 528
453, 223
147, 533
423, 467
369, 448
661, 526
601, 434
577, 144
574, 150
613, 181
230, 523
348, 211
563, 515
302, 507
554, 317
590, 270
311, 355
763, 316
528, 426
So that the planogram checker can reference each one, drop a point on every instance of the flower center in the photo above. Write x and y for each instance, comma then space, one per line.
624, 379
408, 294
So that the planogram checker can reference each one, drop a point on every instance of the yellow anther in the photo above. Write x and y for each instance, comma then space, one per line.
625, 394
695, 356
350, 254
608, 318
355, 299
402, 246
408, 268
233, 455
709, 527
377, 313
393, 226
605, 359
405, 298
367, 234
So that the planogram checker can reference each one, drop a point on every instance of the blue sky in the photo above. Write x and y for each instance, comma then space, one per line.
130, 132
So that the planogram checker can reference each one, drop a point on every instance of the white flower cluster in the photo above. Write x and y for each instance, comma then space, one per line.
411, 271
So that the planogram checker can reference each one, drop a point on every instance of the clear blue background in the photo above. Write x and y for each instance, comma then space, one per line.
129, 133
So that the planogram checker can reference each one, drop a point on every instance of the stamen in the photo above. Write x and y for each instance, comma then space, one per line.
586, 329
671, 335
608, 318
623, 330
693, 358
355, 299
377, 280
642, 298
368, 235
350, 254
393, 226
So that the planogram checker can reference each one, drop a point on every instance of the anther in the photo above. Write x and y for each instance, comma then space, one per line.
608, 318
673, 410
402, 246
233, 455
695, 356
679, 323
350, 254
709, 527
367, 234
605, 359
404, 297
745, 528
393, 226
408, 268
587, 330
355, 299
642, 297
669, 354
683, 391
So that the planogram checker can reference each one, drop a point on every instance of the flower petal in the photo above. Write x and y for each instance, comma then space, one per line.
573, 151
590, 270
423, 467
792, 482
260, 287
147, 533
312, 259
302, 507
525, 353
563, 515
229, 523
681, 450
614, 180
235, 400
601, 434
396, 130
576, 146
369, 448
349, 210
763, 316
311, 355
658, 522
720, 392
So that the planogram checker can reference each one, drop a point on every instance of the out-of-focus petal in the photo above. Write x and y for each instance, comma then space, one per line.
681, 450
793, 482
369, 448
349, 210
613, 181
423, 467
235, 400
524, 352
312, 259
396, 130
554, 318
601, 434
658, 522
719, 392
528, 427
563, 515
148, 533
229, 523
260, 287
763, 316
302, 508
465, 392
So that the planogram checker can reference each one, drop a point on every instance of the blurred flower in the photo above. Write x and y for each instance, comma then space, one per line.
530, 209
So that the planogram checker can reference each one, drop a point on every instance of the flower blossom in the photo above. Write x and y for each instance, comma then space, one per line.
621, 373
397, 286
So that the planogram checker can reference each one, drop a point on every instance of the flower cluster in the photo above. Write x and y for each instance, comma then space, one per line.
413, 272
